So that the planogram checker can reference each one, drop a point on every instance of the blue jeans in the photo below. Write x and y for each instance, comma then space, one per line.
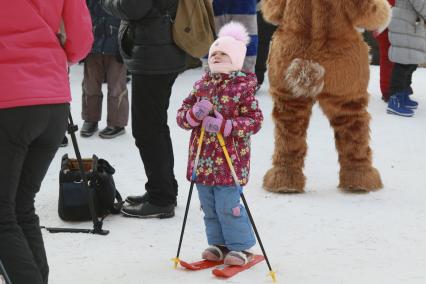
225, 218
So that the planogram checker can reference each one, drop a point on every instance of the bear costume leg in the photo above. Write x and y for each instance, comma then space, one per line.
291, 116
350, 120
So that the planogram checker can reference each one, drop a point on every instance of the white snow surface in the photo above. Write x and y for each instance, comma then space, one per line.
321, 236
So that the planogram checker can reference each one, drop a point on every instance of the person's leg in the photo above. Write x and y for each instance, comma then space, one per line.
386, 65
410, 70
150, 101
214, 233
400, 83
118, 101
409, 103
265, 31
235, 224
399, 78
94, 73
39, 156
24, 162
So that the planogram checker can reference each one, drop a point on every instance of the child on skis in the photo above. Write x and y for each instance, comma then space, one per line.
223, 102
407, 50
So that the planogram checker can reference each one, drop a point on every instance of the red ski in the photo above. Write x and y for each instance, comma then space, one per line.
199, 265
230, 270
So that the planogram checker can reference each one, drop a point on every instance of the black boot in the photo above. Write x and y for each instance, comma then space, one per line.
148, 210
111, 132
139, 199
88, 129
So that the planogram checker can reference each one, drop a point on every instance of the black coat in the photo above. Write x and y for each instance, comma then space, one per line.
105, 29
145, 36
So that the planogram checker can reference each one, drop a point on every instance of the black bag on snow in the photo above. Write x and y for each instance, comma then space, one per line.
73, 202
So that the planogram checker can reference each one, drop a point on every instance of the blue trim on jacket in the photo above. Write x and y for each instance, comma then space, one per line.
234, 7
252, 47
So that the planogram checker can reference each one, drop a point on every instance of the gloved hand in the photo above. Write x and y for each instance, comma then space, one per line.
198, 112
217, 124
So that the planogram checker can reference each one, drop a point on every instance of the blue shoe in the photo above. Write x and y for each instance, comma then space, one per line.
396, 106
409, 103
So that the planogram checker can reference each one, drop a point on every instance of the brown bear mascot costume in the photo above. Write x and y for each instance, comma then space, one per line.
318, 54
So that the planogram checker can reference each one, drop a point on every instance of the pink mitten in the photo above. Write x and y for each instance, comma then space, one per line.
198, 112
217, 124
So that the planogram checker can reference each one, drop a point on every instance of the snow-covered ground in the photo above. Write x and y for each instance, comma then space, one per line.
322, 236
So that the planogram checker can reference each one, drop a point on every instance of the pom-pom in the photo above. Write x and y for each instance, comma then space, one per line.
235, 30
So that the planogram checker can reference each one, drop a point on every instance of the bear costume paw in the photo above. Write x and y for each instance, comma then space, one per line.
284, 180
360, 179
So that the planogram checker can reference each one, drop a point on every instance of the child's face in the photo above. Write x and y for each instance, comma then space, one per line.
219, 57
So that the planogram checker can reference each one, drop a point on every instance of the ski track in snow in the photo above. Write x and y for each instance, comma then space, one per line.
322, 236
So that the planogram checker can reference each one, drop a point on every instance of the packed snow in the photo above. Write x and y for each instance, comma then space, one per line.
321, 236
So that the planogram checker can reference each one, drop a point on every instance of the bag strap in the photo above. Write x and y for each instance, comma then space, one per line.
116, 207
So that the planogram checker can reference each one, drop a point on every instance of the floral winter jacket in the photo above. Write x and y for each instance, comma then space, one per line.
233, 96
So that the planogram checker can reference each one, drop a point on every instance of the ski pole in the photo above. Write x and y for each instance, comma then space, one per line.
176, 260
237, 183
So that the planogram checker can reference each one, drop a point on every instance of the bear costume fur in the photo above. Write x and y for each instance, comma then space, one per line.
318, 54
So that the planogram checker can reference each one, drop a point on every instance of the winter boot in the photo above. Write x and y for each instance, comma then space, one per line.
215, 253
396, 105
111, 132
238, 258
409, 103
148, 210
88, 129
139, 199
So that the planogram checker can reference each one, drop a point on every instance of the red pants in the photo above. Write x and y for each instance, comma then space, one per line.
386, 66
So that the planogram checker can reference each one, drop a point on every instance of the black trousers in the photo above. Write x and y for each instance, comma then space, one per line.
402, 75
29, 139
265, 32
150, 101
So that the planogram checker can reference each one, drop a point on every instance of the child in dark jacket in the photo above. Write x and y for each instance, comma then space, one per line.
223, 102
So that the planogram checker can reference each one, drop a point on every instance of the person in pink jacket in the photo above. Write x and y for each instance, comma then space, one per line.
34, 106
223, 101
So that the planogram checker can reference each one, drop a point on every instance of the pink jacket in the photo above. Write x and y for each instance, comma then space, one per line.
33, 64
233, 96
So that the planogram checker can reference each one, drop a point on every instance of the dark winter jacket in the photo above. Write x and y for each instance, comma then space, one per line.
145, 36
105, 29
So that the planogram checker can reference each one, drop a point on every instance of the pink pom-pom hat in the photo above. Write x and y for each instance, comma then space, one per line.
232, 40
